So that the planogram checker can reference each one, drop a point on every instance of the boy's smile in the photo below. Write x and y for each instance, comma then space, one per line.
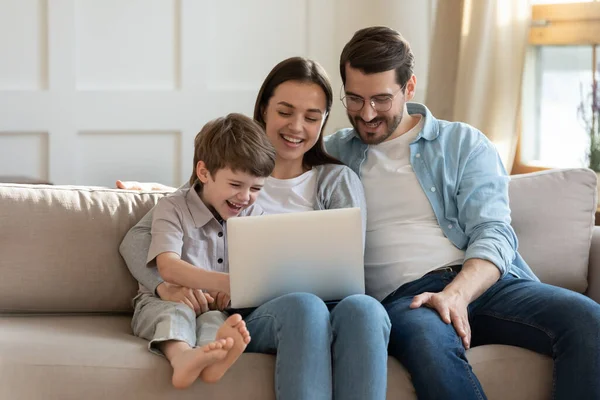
226, 192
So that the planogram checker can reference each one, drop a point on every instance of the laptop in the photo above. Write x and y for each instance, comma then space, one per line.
319, 252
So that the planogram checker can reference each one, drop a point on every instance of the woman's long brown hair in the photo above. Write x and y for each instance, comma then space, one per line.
298, 69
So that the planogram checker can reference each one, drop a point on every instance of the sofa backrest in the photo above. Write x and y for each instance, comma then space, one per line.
553, 215
59, 246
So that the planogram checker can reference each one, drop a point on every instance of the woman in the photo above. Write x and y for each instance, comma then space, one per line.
319, 353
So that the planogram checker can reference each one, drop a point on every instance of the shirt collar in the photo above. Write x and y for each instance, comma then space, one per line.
200, 213
430, 129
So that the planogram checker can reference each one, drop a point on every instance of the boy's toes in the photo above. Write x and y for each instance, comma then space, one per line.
234, 320
228, 343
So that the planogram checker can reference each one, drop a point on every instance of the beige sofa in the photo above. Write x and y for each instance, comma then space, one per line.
65, 295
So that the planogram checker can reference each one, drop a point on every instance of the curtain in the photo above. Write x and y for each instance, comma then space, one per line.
476, 67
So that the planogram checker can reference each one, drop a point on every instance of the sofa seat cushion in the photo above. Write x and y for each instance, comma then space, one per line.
97, 357
508, 372
505, 372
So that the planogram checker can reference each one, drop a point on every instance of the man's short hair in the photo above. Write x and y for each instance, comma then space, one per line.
234, 141
378, 49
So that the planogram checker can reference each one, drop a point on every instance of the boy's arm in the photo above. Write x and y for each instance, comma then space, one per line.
174, 270
166, 247
134, 250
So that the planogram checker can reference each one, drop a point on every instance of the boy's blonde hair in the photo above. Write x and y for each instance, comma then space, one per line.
234, 141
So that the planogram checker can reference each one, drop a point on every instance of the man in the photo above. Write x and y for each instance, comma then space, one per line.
440, 253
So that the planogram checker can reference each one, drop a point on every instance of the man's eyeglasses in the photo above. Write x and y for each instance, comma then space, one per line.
380, 103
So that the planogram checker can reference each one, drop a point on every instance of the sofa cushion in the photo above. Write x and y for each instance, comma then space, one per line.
508, 372
60, 247
553, 216
97, 357
505, 372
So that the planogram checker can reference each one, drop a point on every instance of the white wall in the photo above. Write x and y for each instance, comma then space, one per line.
96, 90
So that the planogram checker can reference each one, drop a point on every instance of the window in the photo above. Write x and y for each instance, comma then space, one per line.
561, 63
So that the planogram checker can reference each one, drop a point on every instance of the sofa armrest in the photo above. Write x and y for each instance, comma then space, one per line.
593, 290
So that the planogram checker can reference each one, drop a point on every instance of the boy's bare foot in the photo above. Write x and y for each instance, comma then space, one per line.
187, 364
234, 328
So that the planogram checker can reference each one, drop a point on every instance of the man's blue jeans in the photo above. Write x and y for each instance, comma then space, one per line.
320, 355
546, 319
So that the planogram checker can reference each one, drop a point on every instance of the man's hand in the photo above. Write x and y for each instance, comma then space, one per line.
196, 299
475, 277
452, 309
221, 302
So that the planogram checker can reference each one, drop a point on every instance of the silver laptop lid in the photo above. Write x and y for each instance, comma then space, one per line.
319, 252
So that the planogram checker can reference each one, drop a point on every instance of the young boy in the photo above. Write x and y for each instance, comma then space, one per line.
232, 158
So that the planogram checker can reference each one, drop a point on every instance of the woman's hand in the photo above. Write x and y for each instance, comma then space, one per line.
143, 186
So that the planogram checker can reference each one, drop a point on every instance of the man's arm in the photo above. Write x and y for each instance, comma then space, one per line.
475, 277
483, 210
332, 143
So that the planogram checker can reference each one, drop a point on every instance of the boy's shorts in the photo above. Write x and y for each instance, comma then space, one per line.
158, 321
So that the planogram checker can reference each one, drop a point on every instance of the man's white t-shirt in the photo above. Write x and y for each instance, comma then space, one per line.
404, 240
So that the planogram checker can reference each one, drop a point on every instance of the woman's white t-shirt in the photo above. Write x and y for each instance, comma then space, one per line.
280, 196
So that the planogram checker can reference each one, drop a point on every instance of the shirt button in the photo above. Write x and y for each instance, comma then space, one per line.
220, 261
432, 189
450, 226
220, 234
418, 155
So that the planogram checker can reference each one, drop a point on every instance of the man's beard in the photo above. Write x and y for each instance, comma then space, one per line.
370, 137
